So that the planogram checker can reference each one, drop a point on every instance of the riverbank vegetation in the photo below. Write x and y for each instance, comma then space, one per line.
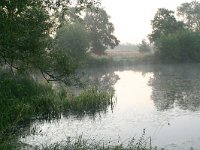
23, 99
81, 144
177, 39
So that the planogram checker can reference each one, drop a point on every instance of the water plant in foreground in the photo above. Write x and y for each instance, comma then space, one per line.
80, 144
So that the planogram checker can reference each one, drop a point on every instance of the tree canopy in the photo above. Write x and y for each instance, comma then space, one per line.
190, 14
177, 41
27, 36
24, 33
164, 22
101, 31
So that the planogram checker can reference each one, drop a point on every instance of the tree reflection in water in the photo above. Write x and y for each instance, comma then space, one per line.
176, 86
102, 79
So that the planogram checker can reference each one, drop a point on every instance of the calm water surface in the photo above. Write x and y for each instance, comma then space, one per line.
163, 100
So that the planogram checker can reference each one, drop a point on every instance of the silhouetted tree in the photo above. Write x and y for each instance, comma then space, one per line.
190, 14
101, 31
164, 23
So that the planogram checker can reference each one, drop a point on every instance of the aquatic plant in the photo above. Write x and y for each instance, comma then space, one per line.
91, 101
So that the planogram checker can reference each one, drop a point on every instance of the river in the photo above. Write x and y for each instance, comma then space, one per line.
163, 100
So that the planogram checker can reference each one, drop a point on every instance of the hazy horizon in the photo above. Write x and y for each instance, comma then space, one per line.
132, 19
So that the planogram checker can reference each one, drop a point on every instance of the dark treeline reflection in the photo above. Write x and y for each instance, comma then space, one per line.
102, 78
174, 86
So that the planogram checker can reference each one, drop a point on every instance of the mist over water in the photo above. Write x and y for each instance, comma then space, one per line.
162, 99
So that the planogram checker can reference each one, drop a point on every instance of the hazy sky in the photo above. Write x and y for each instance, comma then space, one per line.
131, 18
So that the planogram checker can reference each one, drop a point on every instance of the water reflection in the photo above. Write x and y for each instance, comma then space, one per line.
102, 79
176, 86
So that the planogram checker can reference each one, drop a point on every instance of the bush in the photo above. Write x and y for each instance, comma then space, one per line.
182, 46
23, 99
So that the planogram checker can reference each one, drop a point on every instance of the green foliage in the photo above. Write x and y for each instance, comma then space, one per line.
69, 52
89, 101
23, 99
177, 41
144, 47
73, 39
101, 31
182, 46
164, 23
190, 14
26, 31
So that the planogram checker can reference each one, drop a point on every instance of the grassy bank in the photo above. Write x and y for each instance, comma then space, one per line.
114, 59
22, 99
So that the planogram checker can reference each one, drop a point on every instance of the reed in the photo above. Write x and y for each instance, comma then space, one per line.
92, 100
81, 144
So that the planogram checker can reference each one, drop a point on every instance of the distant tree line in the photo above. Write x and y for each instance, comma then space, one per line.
144, 47
177, 39
126, 47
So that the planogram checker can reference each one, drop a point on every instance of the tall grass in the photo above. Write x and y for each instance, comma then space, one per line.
91, 101
81, 144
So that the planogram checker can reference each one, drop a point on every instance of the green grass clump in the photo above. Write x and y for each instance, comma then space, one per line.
91, 101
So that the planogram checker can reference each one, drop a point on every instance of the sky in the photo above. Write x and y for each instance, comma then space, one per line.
132, 18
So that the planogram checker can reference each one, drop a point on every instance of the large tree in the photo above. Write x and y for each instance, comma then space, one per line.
190, 14
27, 29
24, 33
164, 22
101, 31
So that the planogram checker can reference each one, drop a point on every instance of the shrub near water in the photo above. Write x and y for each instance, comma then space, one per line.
23, 99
